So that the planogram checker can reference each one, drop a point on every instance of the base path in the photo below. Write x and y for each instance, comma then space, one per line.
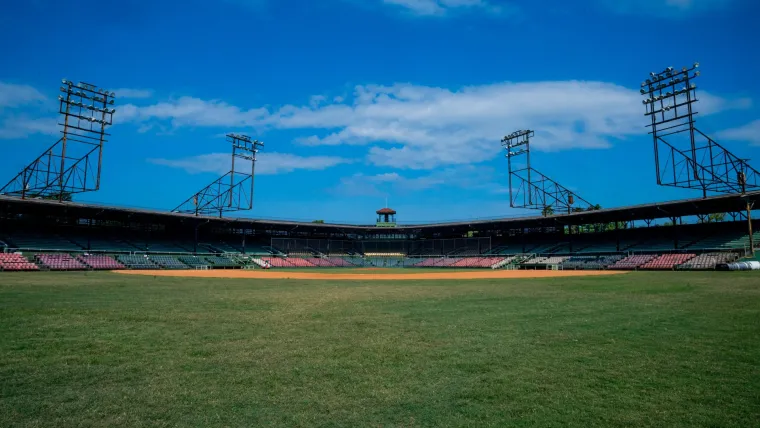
372, 274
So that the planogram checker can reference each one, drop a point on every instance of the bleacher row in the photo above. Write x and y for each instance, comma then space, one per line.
304, 262
64, 261
77, 243
695, 248
723, 241
690, 239
669, 261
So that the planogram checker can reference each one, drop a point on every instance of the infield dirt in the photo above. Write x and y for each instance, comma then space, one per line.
372, 274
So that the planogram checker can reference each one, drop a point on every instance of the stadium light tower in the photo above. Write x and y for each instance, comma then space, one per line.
232, 191
529, 188
74, 163
700, 163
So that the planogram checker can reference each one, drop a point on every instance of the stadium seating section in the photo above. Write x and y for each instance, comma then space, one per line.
632, 262
220, 262
59, 262
708, 261
701, 246
667, 261
137, 262
15, 262
544, 261
476, 262
100, 262
168, 262
342, 262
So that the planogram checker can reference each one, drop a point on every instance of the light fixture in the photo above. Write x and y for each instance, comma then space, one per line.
696, 65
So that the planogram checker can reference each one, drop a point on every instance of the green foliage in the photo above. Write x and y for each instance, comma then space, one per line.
64, 196
665, 349
713, 218
595, 227
318, 221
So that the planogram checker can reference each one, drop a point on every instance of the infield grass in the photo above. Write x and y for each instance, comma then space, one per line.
644, 349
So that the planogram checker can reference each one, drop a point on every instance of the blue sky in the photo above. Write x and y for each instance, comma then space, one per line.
359, 100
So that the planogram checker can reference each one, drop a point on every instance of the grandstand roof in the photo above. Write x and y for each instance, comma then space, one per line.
685, 207
386, 210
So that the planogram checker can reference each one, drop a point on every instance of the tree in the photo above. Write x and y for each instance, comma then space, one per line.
716, 218
63, 196
318, 221
620, 225
547, 211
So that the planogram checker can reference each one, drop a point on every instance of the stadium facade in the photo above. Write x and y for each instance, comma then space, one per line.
50, 234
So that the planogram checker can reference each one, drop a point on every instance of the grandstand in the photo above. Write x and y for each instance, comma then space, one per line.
52, 235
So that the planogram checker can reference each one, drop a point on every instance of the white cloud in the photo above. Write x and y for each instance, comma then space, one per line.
470, 177
16, 127
316, 100
442, 7
13, 95
667, 8
419, 127
190, 111
266, 163
132, 93
749, 132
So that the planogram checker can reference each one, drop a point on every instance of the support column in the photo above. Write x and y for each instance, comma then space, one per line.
749, 228
675, 233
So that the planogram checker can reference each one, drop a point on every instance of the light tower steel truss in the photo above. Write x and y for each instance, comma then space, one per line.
528, 188
232, 191
74, 163
686, 157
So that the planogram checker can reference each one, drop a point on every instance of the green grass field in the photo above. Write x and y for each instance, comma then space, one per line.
375, 270
644, 349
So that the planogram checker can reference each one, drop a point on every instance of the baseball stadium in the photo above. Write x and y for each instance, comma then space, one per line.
561, 312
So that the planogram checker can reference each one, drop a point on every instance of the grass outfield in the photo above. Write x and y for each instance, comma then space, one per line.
644, 349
